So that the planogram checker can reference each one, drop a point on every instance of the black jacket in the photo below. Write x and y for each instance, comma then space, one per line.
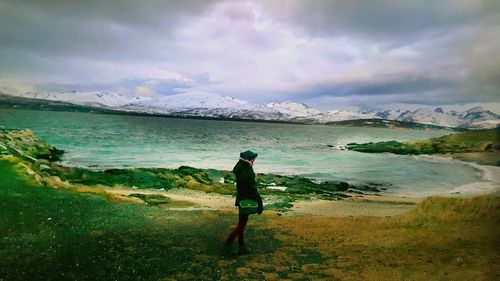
245, 183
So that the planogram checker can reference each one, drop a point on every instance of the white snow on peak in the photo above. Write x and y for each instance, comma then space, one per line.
100, 99
341, 115
478, 113
485, 124
431, 117
203, 104
293, 109
194, 100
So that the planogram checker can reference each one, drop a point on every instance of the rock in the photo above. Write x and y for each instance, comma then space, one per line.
44, 167
151, 199
30, 158
55, 181
7, 156
279, 206
38, 179
351, 190
275, 187
26, 168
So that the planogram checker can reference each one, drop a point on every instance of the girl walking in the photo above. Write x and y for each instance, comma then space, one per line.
246, 193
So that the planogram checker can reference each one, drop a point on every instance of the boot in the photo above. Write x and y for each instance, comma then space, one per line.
242, 249
226, 250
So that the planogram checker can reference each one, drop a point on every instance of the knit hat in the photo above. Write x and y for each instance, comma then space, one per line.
248, 155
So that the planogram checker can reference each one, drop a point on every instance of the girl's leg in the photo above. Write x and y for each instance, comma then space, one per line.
238, 231
242, 222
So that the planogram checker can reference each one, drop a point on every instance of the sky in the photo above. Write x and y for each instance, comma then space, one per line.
324, 53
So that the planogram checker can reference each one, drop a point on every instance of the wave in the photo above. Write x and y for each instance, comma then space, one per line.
490, 180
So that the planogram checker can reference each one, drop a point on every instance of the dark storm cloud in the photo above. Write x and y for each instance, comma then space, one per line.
441, 51
160, 86
456, 39
383, 19
111, 30
392, 86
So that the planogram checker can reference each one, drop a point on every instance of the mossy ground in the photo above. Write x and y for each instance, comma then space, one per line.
60, 234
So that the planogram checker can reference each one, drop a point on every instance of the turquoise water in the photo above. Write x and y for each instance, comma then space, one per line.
110, 141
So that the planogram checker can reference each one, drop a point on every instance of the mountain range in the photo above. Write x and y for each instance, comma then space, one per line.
200, 104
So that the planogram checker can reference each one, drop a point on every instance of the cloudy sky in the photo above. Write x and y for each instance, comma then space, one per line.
324, 53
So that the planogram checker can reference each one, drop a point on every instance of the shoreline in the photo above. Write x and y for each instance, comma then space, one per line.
490, 176
188, 188
357, 205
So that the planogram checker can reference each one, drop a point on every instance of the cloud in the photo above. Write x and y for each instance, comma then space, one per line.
353, 52
381, 19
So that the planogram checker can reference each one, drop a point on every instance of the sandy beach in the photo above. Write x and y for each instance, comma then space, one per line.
357, 205
379, 205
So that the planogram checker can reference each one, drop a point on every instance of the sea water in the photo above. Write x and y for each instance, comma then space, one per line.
102, 141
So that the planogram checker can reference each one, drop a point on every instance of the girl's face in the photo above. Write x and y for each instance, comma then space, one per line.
251, 161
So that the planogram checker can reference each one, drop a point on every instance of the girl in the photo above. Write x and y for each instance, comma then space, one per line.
245, 189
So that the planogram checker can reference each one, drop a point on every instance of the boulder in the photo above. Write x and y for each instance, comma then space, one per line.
55, 181
44, 167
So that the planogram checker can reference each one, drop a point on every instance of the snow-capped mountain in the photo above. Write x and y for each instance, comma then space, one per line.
337, 115
97, 99
293, 109
189, 101
431, 117
478, 113
469, 118
205, 105
201, 104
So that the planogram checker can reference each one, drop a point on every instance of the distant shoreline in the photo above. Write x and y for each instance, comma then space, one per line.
21, 103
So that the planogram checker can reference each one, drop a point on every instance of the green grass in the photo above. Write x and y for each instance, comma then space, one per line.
55, 234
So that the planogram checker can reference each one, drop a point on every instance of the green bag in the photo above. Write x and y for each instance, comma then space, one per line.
248, 206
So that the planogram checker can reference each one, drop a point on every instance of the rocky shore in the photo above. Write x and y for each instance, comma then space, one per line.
481, 146
39, 160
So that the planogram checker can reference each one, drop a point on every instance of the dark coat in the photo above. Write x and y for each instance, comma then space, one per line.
245, 183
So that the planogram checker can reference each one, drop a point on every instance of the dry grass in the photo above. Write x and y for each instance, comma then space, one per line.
483, 209
441, 239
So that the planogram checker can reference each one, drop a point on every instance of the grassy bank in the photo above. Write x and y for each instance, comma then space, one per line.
480, 145
60, 234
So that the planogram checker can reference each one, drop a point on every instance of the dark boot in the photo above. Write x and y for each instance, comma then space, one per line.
242, 249
226, 250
